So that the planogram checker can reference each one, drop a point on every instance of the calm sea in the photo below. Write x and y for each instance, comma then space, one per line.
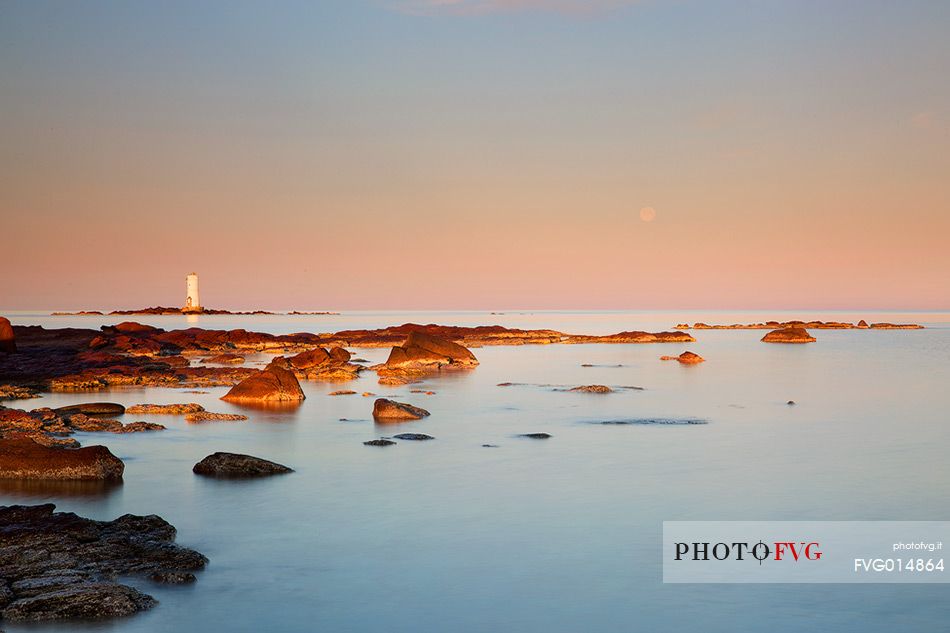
539, 535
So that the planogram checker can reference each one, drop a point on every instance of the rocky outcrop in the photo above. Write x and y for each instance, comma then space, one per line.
811, 325
321, 364
789, 335
7, 337
632, 337
687, 358
593, 389
208, 416
165, 409
275, 383
235, 465
60, 566
422, 350
390, 410
379, 442
26, 459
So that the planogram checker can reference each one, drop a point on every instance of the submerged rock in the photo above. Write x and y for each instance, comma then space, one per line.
379, 442
414, 437
789, 335
275, 383
27, 459
384, 409
536, 436
59, 566
234, 465
648, 421
593, 389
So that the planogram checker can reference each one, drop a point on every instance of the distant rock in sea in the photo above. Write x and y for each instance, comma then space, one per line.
687, 358
789, 335
593, 389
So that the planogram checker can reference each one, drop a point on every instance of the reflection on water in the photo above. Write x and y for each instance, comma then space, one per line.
559, 535
32, 490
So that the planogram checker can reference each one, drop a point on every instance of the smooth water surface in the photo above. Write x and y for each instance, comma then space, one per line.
538, 535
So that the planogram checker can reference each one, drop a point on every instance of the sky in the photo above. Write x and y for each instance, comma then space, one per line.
475, 154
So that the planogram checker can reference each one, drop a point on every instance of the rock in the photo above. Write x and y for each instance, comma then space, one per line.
132, 327
384, 409
82, 422
275, 383
422, 350
237, 465
26, 459
310, 359
379, 442
207, 416
790, 403
414, 437
345, 392
489, 445
789, 335
593, 389
84, 601
137, 427
165, 409
536, 436
687, 358
173, 577
7, 338
862, 324
224, 359
59, 566
92, 408
16, 392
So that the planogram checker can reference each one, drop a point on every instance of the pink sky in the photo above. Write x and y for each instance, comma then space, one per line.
490, 161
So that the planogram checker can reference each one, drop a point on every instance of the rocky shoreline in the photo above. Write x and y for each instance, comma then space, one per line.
815, 325
60, 566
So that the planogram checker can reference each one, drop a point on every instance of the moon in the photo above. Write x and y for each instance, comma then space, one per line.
647, 214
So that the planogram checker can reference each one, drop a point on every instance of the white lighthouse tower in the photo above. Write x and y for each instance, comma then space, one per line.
192, 303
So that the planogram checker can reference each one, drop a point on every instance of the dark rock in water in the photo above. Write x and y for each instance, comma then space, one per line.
173, 577
237, 465
58, 566
648, 421
384, 409
380, 442
489, 445
790, 402
536, 436
92, 408
413, 436
83, 601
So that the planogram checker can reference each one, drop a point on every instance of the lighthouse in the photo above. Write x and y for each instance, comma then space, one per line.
192, 303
